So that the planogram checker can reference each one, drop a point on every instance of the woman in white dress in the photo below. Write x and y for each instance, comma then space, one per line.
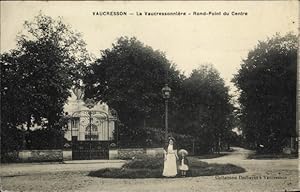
170, 158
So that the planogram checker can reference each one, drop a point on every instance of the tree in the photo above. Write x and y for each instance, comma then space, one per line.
38, 74
129, 78
267, 84
205, 110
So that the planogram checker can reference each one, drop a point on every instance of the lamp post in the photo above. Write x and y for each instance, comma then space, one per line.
166, 93
90, 103
114, 113
67, 120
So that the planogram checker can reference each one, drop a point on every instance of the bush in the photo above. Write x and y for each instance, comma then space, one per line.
145, 163
273, 156
152, 167
194, 162
215, 169
126, 173
155, 137
44, 139
10, 157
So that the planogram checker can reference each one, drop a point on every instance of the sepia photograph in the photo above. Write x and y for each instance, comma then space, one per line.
154, 96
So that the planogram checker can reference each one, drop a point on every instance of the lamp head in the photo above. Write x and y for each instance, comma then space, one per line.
166, 92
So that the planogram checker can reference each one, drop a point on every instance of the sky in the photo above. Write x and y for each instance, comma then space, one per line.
188, 41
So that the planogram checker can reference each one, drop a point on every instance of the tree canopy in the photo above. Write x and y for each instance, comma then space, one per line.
50, 58
267, 84
36, 76
205, 110
129, 77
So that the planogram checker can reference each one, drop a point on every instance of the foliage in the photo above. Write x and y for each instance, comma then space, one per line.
182, 141
210, 156
126, 173
129, 78
216, 169
267, 84
44, 139
145, 163
11, 140
273, 156
205, 109
151, 167
36, 77
154, 137
238, 140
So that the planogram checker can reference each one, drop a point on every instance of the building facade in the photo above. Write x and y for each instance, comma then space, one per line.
95, 123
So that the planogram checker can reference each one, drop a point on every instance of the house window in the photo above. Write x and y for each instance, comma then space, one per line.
75, 123
93, 134
94, 128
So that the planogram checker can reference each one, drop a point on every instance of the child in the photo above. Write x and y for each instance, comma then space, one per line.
183, 167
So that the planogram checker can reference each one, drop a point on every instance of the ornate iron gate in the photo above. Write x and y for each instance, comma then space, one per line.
85, 150
91, 147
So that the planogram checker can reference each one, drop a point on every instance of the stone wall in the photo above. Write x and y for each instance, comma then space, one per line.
40, 155
154, 152
64, 155
130, 153
67, 155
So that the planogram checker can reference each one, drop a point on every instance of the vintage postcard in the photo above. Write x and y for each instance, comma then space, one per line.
115, 96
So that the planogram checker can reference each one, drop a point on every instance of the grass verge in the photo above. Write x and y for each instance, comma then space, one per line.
273, 156
210, 156
153, 168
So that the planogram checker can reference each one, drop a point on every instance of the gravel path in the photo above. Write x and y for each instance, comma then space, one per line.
261, 175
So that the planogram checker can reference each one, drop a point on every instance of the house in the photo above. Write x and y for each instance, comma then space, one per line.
95, 123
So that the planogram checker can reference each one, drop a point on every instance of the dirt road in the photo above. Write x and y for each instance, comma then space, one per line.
260, 175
